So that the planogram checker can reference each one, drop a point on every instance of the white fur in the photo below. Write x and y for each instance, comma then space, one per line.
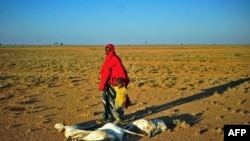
69, 130
151, 127
160, 124
116, 130
108, 132
97, 135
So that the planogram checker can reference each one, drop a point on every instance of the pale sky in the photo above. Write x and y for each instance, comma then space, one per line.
125, 21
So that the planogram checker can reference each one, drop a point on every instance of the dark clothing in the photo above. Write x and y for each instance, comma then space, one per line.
109, 103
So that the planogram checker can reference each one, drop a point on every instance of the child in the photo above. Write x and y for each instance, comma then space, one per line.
120, 100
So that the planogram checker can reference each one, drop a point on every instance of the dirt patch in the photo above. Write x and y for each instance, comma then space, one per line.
196, 90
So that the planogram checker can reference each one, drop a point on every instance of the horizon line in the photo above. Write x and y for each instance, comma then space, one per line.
62, 44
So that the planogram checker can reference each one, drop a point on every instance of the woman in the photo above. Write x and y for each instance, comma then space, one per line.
111, 69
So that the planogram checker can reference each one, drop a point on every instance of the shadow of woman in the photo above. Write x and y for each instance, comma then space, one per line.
206, 93
190, 119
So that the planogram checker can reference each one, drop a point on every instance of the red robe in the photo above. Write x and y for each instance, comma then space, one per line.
112, 69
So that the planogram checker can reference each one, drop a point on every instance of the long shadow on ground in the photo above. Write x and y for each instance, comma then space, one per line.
191, 119
206, 93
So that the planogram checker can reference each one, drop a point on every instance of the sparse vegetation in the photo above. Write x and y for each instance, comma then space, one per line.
43, 85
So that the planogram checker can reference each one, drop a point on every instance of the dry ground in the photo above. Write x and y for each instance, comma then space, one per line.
206, 86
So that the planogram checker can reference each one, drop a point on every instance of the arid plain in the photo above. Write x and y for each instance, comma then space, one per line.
205, 87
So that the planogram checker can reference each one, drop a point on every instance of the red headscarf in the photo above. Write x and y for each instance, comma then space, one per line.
111, 52
112, 69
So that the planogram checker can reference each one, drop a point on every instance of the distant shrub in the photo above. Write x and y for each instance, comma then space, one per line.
238, 54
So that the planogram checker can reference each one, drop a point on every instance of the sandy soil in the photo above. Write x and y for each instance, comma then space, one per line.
205, 86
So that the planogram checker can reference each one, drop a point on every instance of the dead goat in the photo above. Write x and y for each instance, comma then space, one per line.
96, 135
71, 130
150, 127
108, 132
117, 131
